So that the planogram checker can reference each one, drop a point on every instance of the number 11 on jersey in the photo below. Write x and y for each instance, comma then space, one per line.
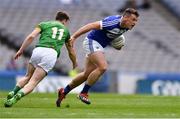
55, 31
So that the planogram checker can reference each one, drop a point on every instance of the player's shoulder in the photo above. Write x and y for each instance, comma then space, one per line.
50, 23
43, 23
53, 22
113, 17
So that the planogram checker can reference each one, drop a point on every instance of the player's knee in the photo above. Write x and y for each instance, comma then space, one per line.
103, 68
33, 84
28, 76
86, 74
24, 80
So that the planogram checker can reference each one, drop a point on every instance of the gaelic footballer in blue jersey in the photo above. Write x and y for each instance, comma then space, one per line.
101, 34
109, 30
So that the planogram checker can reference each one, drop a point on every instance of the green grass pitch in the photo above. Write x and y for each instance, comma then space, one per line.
103, 106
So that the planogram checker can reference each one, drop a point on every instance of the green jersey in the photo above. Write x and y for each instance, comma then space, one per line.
53, 35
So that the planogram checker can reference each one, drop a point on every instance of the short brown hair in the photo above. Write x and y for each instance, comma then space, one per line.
130, 11
62, 16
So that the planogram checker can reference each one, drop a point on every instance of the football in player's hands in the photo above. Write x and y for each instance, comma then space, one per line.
118, 42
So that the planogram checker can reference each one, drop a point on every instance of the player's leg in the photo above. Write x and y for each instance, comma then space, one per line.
99, 60
96, 56
30, 70
79, 79
37, 76
44, 60
22, 82
82, 77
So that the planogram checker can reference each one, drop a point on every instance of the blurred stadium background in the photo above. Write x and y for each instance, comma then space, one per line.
148, 64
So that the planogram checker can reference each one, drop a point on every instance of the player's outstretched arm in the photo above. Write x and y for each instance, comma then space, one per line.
72, 54
27, 42
85, 29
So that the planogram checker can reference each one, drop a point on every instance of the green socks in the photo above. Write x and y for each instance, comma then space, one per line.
12, 93
20, 94
14, 99
16, 89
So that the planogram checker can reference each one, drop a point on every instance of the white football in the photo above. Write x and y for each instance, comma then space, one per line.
118, 42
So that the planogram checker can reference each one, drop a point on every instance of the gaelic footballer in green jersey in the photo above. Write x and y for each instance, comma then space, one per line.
53, 35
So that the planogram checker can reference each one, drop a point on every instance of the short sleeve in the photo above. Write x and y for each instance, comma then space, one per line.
109, 22
68, 35
41, 25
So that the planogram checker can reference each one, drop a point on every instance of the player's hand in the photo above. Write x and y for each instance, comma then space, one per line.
75, 65
18, 54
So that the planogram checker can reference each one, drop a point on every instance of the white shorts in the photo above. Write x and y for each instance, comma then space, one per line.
44, 58
91, 46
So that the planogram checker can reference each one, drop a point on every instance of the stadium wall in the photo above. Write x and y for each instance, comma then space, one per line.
50, 83
149, 83
122, 83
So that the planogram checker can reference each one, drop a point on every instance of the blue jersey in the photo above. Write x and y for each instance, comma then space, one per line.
110, 29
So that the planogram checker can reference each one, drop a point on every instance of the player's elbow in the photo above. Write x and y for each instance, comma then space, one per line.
32, 36
29, 39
